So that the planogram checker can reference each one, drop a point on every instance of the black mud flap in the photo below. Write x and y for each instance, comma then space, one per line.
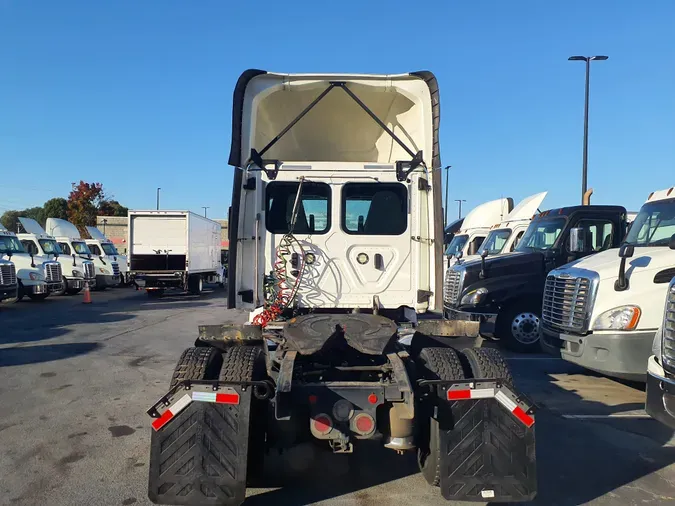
487, 443
198, 456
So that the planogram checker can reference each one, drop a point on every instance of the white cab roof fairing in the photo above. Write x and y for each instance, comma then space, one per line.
526, 208
32, 227
668, 193
336, 128
487, 214
96, 234
57, 227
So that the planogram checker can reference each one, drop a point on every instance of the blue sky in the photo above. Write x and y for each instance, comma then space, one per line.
137, 95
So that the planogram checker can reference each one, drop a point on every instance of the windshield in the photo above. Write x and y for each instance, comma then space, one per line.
495, 241
109, 249
456, 245
10, 244
50, 247
541, 234
654, 224
81, 248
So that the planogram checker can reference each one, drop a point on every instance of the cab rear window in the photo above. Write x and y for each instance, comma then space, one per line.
374, 208
313, 214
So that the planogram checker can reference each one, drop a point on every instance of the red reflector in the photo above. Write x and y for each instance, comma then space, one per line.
455, 395
313, 399
372, 398
322, 424
364, 424
158, 423
523, 417
227, 398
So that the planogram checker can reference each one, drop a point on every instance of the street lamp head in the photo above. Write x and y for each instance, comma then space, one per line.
577, 58
599, 57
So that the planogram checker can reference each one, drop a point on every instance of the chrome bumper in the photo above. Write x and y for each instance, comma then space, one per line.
40, 289
8, 292
74, 283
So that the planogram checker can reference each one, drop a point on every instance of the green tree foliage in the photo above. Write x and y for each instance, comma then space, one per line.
56, 208
112, 208
9, 220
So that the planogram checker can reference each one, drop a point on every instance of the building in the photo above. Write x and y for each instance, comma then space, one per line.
116, 228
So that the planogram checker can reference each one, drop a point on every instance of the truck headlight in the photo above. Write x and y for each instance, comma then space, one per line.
101, 270
78, 274
474, 297
35, 276
619, 318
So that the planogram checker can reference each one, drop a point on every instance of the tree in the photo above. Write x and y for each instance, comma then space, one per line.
83, 204
9, 220
56, 208
112, 208
37, 213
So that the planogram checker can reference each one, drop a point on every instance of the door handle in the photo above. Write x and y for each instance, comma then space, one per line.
379, 262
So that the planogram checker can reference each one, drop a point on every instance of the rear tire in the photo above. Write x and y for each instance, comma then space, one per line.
434, 364
487, 363
197, 364
247, 363
518, 327
195, 284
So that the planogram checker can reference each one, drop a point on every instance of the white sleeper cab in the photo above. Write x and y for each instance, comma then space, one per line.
102, 247
618, 296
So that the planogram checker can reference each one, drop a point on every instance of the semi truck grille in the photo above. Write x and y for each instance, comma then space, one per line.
53, 273
451, 287
7, 274
668, 349
566, 302
116, 268
89, 271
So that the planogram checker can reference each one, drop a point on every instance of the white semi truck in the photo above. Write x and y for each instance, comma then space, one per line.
104, 248
37, 275
75, 270
67, 235
660, 402
602, 311
335, 250
504, 237
174, 249
475, 228
9, 283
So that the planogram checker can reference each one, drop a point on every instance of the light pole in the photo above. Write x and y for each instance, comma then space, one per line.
205, 208
445, 207
588, 60
158, 198
459, 201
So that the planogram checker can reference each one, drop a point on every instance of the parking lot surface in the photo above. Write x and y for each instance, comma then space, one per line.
76, 379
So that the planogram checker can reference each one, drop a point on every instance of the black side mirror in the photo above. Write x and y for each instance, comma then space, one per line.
101, 259
459, 256
628, 250
32, 260
484, 253
361, 224
671, 244
74, 261
483, 256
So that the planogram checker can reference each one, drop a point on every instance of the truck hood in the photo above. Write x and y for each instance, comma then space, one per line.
487, 214
506, 264
526, 208
648, 260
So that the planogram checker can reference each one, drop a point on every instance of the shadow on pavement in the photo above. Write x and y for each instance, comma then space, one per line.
325, 475
44, 353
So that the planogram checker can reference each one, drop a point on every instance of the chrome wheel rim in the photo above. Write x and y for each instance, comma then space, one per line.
525, 328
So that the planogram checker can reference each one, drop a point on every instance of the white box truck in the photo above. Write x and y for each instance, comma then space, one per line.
174, 249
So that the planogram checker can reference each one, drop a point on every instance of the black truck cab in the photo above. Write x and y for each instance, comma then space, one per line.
505, 292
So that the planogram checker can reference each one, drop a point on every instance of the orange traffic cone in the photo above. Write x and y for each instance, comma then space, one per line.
87, 294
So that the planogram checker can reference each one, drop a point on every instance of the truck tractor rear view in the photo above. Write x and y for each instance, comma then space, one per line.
336, 251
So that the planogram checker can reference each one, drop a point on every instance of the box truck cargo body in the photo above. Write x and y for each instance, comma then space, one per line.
174, 249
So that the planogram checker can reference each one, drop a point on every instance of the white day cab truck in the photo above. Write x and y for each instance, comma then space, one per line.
9, 283
504, 237
475, 228
661, 366
336, 252
603, 311
174, 249
102, 247
37, 275
76, 271
71, 243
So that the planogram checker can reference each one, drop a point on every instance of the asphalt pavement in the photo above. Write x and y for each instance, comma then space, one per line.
76, 379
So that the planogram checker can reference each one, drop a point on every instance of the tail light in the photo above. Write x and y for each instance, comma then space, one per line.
321, 424
363, 424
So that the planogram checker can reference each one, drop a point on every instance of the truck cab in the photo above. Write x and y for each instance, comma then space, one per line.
505, 292
67, 236
104, 248
602, 312
9, 283
75, 271
504, 237
37, 275
475, 228
660, 403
